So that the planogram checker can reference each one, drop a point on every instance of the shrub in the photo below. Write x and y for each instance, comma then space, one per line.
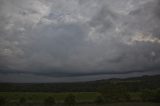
99, 99
49, 101
70, 100
128, 97
22, 100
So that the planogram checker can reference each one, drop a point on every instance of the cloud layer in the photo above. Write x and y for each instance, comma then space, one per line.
62, 38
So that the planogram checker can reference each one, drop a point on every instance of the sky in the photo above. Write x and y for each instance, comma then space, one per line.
78, 40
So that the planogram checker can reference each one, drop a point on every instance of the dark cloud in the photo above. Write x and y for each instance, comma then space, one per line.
76, 38
104, 19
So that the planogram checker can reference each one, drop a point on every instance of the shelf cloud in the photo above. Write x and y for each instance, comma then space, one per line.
51, 39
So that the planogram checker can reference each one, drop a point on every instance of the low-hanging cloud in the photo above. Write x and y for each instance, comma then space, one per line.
79, 37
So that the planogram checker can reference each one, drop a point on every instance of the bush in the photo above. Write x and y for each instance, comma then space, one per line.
22, 100
128, 97
49, 101
70, 100
99, 100
2, 101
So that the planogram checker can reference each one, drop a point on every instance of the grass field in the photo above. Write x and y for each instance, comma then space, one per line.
125, 104
82, 98
32, 96
114, 104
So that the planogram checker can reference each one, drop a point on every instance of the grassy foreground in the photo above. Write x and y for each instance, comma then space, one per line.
82, 98
114, 104
39, 96
124, 104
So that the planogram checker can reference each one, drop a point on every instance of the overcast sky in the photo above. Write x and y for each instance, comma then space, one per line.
77, 40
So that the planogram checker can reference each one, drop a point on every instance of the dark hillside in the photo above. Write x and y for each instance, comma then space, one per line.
133, 84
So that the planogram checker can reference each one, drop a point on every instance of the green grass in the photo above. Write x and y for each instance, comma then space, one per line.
38, 96
83, 98
113, 104
124, 104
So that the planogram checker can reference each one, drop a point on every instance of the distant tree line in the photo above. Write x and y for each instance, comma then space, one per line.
132, 84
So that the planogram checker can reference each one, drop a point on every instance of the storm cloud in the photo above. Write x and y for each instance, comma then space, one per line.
57, 40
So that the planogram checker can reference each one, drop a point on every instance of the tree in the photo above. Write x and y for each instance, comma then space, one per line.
70, 100
49, 101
